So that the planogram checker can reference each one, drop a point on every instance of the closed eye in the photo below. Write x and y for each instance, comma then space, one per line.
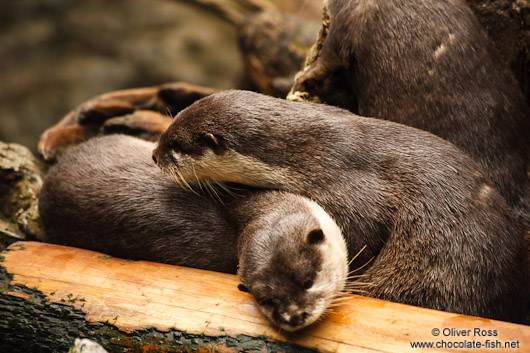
266, 302
175, 146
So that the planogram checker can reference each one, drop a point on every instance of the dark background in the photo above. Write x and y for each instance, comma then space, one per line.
55, 54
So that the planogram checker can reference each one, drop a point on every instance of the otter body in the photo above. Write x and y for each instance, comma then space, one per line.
107, 195
429, 64
442, 237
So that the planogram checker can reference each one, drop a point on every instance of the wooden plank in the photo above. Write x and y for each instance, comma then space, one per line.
137, 297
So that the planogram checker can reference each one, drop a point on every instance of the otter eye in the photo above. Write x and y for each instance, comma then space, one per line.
211, 140
308, 283
266, 302
214, 142
175, 146
242, 287
315, 236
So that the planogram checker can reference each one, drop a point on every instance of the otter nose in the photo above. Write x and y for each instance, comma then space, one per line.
157, 151
296, 319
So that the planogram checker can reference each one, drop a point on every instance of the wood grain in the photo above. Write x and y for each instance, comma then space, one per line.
135, 295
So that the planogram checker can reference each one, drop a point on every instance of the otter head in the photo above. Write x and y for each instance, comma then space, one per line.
221, 137
295, 266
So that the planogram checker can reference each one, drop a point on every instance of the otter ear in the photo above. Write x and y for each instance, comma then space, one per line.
215, 143
242, 287
315, 236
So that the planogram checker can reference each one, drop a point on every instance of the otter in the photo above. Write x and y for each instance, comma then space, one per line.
442, 237
107, 195
429, 64
292, 257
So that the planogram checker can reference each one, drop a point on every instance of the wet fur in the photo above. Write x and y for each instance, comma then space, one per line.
442, 237
430, 65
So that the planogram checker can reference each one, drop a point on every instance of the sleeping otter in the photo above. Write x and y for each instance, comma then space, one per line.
442, 237
107, 195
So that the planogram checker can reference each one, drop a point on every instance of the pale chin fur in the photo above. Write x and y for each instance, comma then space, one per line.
230, 166
330, 281
319, 308
332, 278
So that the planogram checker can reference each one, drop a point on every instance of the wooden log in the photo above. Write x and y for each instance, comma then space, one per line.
50, 294
134, 109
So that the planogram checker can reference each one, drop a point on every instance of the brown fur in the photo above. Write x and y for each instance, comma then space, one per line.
430, 65
107, 195
442, 237
281, 254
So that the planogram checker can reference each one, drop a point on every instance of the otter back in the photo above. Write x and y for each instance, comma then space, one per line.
107, 195
441, 235
429, 64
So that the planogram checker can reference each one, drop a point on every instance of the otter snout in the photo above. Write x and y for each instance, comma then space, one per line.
156, 153
160, 155
296, 320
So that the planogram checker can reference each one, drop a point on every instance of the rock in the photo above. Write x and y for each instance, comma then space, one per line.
508, 25
56, 54
274, 46
21, 177
85, 345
